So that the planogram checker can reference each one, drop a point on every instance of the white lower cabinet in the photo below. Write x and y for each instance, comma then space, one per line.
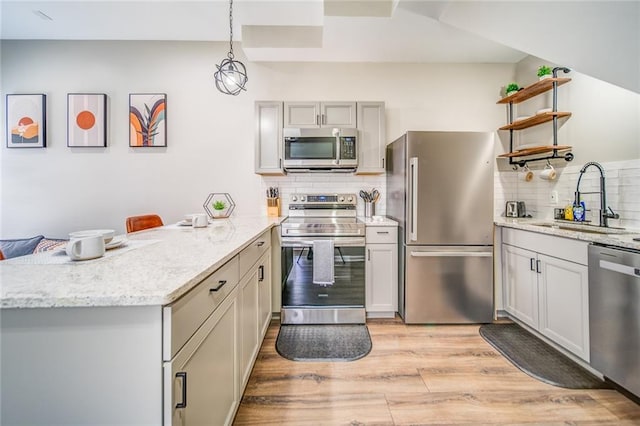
545, 281
564, 304
381, 271
201, 385
204, 380
521, 281
248, 324
264, 293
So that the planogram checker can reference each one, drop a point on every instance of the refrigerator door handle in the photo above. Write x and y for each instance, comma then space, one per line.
413, 229
451, 254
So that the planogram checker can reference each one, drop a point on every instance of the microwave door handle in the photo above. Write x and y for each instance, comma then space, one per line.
338, 148
413, 225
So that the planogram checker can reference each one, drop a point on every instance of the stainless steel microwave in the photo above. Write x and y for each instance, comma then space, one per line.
322, 149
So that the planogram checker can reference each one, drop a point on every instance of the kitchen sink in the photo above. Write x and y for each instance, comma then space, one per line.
584, 227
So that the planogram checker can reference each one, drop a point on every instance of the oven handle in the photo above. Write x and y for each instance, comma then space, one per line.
337, 242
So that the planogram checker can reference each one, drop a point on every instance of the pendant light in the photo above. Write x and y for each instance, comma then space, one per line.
231, 76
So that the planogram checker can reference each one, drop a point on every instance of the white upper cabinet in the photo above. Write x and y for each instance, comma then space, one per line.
319, 114
367, 117
371, 138
268, 138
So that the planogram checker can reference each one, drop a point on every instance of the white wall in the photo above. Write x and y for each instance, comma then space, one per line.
597, 38
56, 190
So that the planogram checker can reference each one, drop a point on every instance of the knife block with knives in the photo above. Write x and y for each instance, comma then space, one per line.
273, 207
273, 202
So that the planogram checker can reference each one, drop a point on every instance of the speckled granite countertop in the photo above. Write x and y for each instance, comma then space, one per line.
619, 240
157, 273
378, 221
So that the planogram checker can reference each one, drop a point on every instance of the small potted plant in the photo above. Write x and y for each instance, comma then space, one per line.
511, 89
544, 72
218, 208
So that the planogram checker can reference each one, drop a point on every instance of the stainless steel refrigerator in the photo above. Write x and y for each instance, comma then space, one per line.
440, 190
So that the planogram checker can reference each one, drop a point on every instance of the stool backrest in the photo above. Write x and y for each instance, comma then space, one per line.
138, 223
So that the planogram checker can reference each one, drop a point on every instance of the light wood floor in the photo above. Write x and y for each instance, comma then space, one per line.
418, 375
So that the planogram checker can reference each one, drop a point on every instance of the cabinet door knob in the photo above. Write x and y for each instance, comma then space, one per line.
261, 273
538, 267
221, 283
532, 263
260, 243
182, 375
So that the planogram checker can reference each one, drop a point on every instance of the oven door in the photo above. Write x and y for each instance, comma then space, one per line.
304, 302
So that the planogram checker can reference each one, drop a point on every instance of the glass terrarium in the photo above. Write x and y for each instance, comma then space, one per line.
219, 205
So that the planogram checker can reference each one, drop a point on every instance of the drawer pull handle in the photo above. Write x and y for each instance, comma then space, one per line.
261, 273
182, 375
532, 263
260, 243
382, 232
538, 268
221, 283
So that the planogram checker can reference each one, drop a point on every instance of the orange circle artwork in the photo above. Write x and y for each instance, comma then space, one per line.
25, 121
85, 120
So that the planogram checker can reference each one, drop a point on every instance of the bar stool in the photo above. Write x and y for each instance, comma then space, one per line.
138, 223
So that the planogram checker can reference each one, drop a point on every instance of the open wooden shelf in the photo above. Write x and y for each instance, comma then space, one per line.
535, 150
535, 89
534, 120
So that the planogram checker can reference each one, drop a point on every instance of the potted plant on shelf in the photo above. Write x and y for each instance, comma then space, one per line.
511, 89
218, 208
544, 72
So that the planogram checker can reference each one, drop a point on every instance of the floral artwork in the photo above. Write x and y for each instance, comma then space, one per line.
26, 126
86, 120
147, 119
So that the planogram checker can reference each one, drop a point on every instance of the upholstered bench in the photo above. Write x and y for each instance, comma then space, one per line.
25, 246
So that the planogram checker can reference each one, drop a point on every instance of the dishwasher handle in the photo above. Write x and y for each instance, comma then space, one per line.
623, 269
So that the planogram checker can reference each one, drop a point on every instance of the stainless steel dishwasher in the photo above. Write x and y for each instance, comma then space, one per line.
614, 314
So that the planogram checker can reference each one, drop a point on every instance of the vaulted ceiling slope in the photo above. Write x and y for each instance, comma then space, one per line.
597, 38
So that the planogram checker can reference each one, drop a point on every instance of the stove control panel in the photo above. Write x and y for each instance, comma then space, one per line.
320, 199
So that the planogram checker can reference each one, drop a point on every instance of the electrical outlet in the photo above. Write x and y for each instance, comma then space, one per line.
554, 198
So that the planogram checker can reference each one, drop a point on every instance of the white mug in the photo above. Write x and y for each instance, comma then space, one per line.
199, 220
86, 247
549, 173
526, 175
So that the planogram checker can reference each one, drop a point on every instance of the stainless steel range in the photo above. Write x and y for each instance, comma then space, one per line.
323, 249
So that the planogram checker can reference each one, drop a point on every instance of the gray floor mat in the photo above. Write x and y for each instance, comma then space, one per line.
538, 359
323, 342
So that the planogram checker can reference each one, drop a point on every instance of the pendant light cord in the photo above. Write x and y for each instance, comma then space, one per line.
230, 54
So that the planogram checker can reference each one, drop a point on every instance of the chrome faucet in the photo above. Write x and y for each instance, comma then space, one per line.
606, 212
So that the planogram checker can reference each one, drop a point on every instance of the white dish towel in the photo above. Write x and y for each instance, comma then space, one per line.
323, 267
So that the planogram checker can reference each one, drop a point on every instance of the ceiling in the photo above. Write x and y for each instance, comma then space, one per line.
269, 30
572, 33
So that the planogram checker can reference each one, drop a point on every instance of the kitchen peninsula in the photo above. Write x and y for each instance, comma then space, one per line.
100, 340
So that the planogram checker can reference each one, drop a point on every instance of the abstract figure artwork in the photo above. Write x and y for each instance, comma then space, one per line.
147, 119
26, 121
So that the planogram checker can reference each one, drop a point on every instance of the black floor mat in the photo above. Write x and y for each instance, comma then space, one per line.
538, 359
323, 342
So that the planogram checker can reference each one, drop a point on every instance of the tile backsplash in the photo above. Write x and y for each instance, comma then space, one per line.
341, 183
622, 187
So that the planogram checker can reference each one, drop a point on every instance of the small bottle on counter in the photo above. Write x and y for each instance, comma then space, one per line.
578, 212
568, 212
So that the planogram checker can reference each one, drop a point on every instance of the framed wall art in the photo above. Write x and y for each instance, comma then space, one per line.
147, 119
26, 121
86, 120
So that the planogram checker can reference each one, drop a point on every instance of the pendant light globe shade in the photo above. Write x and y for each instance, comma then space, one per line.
231, 76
